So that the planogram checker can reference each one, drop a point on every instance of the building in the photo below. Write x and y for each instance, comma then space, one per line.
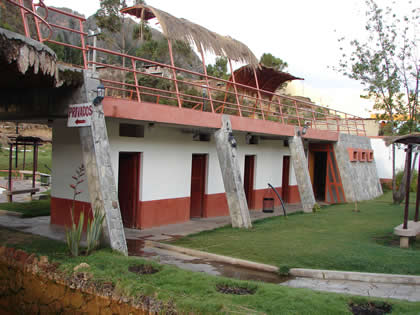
161, 155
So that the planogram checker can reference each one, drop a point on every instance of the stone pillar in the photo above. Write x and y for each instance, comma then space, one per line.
360, 179
99, 172
229, 165
303, 179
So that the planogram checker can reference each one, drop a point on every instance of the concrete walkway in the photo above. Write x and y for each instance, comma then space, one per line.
382, 290
174, 231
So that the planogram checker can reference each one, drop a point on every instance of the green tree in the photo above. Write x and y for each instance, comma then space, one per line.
270, 61
387, 64
219, 69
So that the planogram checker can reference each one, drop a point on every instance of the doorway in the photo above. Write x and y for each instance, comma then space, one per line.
285, 179
320, 175
325, 175
249, 179
198, 184
128, 186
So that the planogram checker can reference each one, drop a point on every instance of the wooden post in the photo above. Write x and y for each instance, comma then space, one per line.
9, 186
416, 216
407, 192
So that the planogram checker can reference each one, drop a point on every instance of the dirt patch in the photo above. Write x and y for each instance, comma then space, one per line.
11, 237
143, 269
235, 289
370, 308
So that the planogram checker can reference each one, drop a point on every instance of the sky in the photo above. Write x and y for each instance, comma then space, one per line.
303, 33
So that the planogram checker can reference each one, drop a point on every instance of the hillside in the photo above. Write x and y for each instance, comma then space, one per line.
121, 42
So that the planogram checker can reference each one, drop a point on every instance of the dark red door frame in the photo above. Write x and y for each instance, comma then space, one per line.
249, 173
129, 186
333, 179
198, 184
285, 179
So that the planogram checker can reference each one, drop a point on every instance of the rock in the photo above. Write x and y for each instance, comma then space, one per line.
82, 265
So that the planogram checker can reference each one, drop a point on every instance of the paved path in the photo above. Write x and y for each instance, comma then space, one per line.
173, 231
382, 290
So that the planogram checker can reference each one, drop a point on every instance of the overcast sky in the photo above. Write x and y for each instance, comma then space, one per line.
301, 32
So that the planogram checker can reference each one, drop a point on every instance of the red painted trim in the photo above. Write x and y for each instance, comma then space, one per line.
60, 211
143, 111
370, 155
353, 154
163, 212
215, 205
166, 211
321, 134
362, 155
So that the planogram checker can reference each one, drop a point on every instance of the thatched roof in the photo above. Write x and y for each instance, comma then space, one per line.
413, 138
184, 30
269, 79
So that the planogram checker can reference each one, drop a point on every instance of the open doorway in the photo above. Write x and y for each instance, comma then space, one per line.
320, 174
285, 179
128, 186
249, 179
198, 184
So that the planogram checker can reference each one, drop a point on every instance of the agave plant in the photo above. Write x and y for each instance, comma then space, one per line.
94, 230
74, 234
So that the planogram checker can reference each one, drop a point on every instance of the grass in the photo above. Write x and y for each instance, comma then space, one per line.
36, 208
334, 238
44, 159
193, 292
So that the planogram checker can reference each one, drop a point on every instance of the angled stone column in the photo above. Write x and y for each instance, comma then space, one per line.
101, 179
229, 165
303, 179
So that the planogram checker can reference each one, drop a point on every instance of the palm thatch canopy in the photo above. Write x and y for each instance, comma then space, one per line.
269, 79
413, 138
181, 29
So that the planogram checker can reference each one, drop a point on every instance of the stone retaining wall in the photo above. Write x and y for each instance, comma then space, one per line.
29, 285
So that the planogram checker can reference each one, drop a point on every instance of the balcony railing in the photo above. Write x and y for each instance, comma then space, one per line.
128, 77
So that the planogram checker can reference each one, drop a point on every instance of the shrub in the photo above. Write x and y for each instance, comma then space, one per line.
413, 184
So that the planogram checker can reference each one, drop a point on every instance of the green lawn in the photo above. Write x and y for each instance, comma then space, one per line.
335, 238
31, 209
193, 293
44, 159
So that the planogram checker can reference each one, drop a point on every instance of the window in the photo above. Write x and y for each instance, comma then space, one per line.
130, 130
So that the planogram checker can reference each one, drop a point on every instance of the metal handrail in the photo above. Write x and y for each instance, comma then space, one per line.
278, 196
36, 16
251, 101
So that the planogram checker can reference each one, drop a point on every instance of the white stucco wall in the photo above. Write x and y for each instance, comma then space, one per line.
166, 160
66, 158
383, 158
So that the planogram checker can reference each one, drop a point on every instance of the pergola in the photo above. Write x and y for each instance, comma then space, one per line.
15, 141
409, 228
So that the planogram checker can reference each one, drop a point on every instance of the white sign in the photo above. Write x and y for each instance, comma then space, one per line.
80, 115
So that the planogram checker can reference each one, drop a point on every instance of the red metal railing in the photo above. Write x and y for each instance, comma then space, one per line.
190, 89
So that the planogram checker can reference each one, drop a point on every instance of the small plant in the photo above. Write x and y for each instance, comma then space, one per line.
316, 208
284, 270
94, 230
74, 234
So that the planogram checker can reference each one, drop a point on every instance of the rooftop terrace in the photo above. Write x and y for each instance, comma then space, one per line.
127, 78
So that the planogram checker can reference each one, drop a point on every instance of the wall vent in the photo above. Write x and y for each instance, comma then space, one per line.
131, 130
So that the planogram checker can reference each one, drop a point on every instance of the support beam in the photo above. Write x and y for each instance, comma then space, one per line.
229, 165
100, 175
303, 179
